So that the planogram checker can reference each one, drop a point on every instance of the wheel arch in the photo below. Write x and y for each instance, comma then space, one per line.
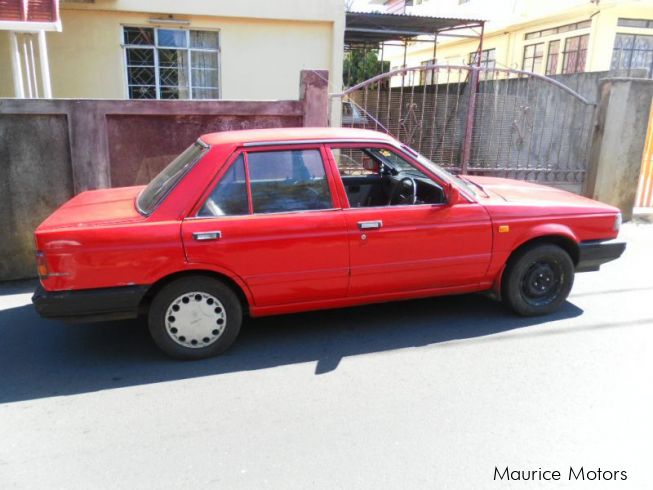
567, 241
236, 284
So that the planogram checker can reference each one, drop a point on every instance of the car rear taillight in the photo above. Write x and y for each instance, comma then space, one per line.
617, 222
41, 265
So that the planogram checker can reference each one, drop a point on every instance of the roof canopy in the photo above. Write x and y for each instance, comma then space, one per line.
375, 28
29, 15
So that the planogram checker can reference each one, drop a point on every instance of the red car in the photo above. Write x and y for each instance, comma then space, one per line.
265, 222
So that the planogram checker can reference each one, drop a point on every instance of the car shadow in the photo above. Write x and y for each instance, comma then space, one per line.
43, 358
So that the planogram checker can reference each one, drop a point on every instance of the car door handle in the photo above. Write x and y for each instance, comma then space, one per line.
203, 236
370, 225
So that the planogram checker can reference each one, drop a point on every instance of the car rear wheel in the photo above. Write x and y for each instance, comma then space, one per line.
195, 317
537, 280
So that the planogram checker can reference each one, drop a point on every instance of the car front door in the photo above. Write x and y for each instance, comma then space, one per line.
272, 220
400, 240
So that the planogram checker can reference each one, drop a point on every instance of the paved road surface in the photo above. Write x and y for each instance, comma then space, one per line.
421, 394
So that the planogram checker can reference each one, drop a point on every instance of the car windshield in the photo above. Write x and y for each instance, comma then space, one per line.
439, 171
163, 183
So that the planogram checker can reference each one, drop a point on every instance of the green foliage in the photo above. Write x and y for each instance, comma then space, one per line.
359, 65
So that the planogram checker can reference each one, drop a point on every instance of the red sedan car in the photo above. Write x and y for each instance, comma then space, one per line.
265, 222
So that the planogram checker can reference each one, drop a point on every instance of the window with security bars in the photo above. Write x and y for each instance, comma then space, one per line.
586, 24
488, 58
426, 76
574, 55
638, 23
552, 57
171, 63
533, 57
633, 51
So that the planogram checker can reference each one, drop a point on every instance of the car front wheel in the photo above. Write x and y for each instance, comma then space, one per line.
537, 280
195, 317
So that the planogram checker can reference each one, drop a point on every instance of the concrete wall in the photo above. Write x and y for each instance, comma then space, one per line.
53, 149
35, 178
618, 142
263, 45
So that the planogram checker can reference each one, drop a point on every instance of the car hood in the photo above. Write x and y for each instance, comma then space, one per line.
98, 207
529, 193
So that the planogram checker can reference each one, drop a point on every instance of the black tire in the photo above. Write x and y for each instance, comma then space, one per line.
537, 279
209, 290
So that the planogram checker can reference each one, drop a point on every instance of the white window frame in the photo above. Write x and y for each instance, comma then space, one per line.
124, 46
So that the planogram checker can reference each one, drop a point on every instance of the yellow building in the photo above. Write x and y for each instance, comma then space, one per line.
552, 37
195, 49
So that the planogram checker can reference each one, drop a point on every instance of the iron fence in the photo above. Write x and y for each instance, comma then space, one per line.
488, 121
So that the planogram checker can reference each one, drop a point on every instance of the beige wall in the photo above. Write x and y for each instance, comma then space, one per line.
264, 45
509, 41
6, 81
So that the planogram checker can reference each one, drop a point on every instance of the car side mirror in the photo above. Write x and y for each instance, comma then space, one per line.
452, 194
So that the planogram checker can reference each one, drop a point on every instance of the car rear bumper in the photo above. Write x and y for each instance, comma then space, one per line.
89, 304
594, 253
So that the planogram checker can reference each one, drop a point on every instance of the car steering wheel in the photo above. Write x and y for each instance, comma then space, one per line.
403, 184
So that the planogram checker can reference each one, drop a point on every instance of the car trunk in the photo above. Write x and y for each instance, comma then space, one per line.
103, 206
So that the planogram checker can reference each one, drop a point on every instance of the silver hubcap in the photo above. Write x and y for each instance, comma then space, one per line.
195, 320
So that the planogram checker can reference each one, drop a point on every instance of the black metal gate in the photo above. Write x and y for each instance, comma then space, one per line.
487, 121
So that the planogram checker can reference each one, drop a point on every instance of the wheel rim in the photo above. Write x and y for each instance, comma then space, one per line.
195, 320
542, 282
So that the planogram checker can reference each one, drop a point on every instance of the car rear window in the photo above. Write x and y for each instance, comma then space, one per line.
163, 183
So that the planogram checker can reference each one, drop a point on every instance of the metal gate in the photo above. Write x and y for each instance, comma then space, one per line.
487, 121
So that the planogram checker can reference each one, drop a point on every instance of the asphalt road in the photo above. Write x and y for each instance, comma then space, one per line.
421, 394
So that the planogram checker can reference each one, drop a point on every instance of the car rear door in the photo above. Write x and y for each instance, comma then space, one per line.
401, 248
271, 218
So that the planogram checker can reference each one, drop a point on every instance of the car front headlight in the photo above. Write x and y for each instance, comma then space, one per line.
617, 222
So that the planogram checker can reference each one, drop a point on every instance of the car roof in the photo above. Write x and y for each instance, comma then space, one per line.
277, 135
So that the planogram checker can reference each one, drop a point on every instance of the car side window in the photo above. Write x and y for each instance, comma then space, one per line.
355, 162
375, 177
229, 198
288, 180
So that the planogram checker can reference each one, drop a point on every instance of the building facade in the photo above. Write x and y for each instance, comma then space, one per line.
549, 38
164, 49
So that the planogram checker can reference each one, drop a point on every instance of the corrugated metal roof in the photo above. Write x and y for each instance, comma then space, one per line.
375, 27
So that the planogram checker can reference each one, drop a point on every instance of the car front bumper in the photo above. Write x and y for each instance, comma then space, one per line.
593, 254
89, 304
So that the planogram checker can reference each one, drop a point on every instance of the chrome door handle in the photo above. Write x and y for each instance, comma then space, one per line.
203, 236
370, 225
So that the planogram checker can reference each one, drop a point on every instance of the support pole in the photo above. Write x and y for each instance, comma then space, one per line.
32, 62
435, 52
27, 71
480, 54
474, 84
382, 53
435, 46
469, 121
16, 68
45, 66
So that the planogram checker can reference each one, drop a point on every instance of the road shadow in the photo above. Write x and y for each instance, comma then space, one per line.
42, 358
18, 286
